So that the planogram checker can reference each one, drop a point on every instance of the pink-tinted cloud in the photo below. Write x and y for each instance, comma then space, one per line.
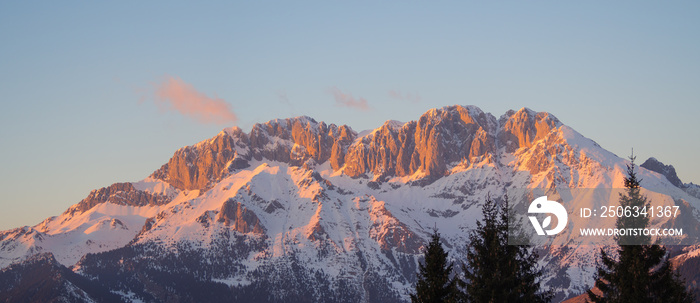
347, 100
413, 98
175, 94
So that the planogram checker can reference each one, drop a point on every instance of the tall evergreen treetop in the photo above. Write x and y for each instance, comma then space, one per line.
643, 272
435, 283
632, 198
496, 271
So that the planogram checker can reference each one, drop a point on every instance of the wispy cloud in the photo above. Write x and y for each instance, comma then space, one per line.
347, 100
173, 94
282, 95
413, 98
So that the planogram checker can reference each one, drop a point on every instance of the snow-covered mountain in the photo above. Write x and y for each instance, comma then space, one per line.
299, 210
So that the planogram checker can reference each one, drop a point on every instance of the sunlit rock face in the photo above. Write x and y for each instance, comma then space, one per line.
437, 140
297, 141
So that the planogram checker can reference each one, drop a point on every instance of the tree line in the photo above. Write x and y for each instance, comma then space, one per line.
497, 272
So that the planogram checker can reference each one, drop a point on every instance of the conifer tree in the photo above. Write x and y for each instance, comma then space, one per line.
496, 271
435, 283
642, 272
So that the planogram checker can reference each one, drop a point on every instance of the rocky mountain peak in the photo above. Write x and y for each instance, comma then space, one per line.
233, 131
440, 138
300, 141
522, 128
667, 170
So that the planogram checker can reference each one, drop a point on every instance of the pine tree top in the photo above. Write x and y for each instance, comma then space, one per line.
495, 271
435, 281
631, 180
642, 272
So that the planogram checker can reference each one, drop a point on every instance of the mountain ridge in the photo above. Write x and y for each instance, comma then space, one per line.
300, 202
415, 146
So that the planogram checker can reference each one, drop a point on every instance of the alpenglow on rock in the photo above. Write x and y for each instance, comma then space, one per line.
429, 145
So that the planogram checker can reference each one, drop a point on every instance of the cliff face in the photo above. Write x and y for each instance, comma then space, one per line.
444, 137
194, 167
298, 141
120, 194
234, 214
440, 138
522, 128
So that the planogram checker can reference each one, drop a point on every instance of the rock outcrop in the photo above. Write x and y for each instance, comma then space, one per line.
389, 232
297, 141
522, 128
441, 138
667, 170
120, 194
438, 138
194, 167
237, 216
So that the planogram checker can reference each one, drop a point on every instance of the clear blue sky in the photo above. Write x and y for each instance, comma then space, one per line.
77, 78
